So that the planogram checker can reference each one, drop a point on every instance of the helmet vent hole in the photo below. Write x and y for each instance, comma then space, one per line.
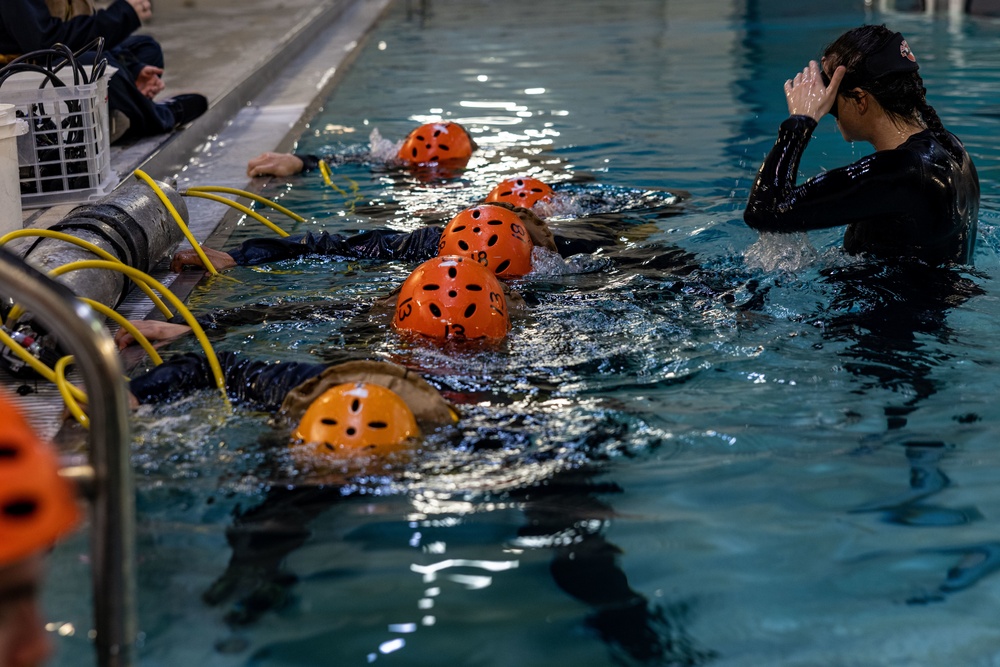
502, 266
377, 425
414, 151
437, 133
21, 507
536, 190
477, 230
352, 431
506, 193
355, 406
463, 245
452, 293
470, 310
458, 229
329, 446
522, 195
329, 421
493, 240
495, 222
421, 137
443, 147
474, 288
476, 214
435, 310
452, 272
432, 287
8, 452
520, 183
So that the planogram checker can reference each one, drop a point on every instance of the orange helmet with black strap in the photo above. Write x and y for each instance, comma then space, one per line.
436, 143
357, 419
522, 191
492, 235
452, 297
37, 506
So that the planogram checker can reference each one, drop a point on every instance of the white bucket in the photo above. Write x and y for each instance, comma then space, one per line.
10, 187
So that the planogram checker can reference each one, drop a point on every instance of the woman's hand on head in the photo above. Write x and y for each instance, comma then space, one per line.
274, 164
807, 96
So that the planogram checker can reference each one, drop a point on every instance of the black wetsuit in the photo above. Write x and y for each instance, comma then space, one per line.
418, 245
260, 384
916, 200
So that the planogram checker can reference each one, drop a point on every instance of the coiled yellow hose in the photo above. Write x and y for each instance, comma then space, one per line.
136, 275
144, 177
87, 245
239, 207
65, 391
249, 195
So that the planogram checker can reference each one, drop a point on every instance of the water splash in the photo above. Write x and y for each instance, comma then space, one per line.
781, 252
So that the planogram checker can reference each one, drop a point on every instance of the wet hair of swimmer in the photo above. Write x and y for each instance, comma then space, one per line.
434, 143
452, 297
881, 63
356, 419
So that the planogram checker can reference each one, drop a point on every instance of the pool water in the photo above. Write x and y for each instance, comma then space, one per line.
700, 447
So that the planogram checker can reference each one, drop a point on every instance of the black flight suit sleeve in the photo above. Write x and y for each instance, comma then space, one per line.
375, 244
259, 384
885, 183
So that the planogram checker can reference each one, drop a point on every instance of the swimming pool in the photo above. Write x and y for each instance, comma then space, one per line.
789, 455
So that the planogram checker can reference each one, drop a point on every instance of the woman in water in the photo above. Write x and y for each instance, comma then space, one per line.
917, 196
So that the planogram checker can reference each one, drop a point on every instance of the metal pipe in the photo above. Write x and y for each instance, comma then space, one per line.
113, 507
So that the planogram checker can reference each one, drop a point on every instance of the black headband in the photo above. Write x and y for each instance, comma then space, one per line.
893, 56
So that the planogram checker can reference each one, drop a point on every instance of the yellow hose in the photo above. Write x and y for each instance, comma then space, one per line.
136, 274
86, 245
37, 365
64, 390
128, 326
249, 195
239, 207
144, 177
328, 179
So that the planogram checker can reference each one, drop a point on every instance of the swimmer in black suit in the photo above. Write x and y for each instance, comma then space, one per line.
917, 196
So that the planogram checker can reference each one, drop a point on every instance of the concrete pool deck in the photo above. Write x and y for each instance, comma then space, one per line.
266, 66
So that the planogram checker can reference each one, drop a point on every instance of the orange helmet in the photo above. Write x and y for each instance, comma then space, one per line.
493, 236
37, 506
520, 192
452, 297
357, 418
436, 142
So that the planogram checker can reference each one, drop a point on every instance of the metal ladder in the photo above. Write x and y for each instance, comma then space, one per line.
108, 478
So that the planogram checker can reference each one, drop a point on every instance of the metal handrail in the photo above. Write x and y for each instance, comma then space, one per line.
113, 514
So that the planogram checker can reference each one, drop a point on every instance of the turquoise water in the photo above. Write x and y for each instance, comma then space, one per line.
790, 456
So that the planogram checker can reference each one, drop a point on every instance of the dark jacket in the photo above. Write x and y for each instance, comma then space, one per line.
916, 200
27, 25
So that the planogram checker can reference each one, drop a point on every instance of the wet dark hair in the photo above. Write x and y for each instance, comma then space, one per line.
901, 94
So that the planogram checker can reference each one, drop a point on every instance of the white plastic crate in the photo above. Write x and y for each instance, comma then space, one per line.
65, 156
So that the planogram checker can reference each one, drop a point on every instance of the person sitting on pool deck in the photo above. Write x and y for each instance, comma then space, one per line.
442, 143
37, 507
917, 196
